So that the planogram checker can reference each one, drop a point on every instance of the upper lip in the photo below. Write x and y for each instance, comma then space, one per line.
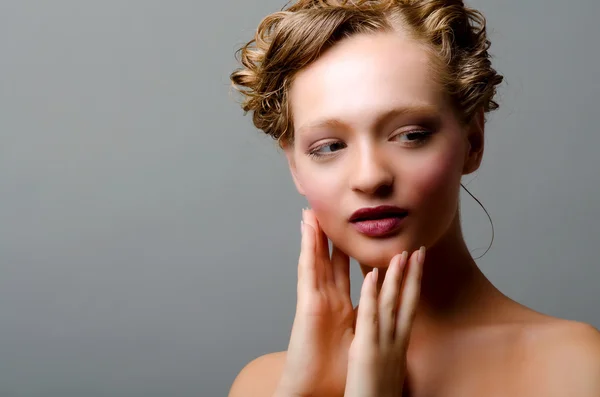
382, 211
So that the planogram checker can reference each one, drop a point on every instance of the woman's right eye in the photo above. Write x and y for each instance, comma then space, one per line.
332, 145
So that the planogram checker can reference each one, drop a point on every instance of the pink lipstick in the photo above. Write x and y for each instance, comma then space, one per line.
378, 221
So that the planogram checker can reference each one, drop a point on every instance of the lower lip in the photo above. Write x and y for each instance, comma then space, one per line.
379, 227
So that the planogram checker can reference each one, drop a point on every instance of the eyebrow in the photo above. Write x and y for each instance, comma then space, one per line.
381, 119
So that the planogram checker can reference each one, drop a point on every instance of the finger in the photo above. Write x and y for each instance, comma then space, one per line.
311, 220
322, 253
366, 331
340, 262
307, 272
323, 249
388, 298
410, 297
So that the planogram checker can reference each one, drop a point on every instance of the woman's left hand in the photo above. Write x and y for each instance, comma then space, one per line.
377, 356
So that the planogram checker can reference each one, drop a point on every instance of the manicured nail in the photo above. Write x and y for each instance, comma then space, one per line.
421, 256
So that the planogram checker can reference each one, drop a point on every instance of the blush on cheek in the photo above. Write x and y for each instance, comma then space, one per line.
317, 199
441, 173
325, 206
434, 195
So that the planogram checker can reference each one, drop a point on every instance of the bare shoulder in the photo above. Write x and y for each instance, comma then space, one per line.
259, 377
563, 358
557, 338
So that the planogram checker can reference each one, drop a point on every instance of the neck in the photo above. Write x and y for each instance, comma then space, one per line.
454, 291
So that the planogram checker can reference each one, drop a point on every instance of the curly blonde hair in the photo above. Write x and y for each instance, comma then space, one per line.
289, 40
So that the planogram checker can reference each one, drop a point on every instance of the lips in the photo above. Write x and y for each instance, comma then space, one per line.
380, 212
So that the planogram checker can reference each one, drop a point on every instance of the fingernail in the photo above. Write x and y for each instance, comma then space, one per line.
301, 227
421, 256
375, 274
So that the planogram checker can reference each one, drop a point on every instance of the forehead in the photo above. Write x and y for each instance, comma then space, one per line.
362, 77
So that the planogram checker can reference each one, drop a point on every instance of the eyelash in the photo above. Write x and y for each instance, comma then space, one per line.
424, 135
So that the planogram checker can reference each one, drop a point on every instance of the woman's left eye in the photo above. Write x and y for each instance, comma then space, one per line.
415, 136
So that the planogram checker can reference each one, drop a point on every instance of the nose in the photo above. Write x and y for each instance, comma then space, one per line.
372, 173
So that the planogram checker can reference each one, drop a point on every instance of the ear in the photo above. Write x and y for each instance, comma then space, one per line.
475, 143
289, 154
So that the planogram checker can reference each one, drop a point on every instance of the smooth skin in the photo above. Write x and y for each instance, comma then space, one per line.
335, 351
359, 113
377, 355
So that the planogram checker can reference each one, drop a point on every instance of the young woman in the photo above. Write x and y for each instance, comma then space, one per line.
379, 107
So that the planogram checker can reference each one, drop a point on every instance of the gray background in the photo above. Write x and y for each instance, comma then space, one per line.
149, 234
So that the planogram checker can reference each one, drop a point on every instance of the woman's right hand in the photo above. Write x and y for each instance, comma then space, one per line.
317, 356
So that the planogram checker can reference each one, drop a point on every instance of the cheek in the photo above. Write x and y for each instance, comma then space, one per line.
435, 184
319, 192
323, 197
319, 196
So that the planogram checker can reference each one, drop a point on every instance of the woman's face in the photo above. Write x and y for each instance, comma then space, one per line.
372, 127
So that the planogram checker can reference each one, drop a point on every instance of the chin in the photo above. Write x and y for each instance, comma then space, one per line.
378, 252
